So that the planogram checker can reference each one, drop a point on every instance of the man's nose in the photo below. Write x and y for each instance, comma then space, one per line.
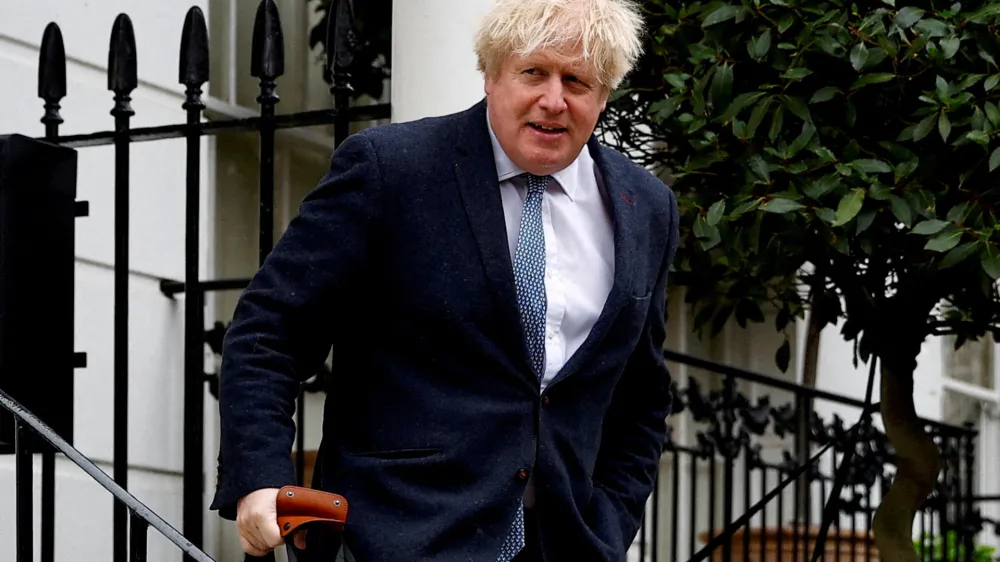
553, 96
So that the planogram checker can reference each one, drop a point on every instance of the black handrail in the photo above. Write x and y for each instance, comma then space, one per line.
141, 516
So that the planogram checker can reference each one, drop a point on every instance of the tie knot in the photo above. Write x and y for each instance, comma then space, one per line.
536, 183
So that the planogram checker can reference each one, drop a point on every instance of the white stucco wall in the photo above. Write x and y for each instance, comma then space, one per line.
434, 66
84, 510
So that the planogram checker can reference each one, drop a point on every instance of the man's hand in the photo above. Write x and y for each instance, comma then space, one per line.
257, 523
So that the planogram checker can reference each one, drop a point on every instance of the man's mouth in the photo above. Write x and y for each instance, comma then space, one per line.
547, 129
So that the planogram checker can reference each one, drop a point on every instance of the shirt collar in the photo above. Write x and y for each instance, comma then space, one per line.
568, 178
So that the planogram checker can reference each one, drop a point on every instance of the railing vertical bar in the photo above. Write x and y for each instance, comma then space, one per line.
836, 518
193, 72
763, 513
122, 80
712, 495
780, 475
48, 503
23, 477
655, 525
52, 89
267, 64
746, 499
137, 538
854, 525
675, 505
693, 522
969, 457
729, 415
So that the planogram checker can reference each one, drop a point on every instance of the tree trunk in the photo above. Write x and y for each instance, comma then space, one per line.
917, 461
810, 366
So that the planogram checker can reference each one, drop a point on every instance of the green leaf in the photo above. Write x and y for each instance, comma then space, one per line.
908, 16
901, 209
826, 214
722, 86
786, 22
865, 220
991, 82
873, 78
924, 127
797, 73
904, 169
945, 240
824, 94
859, 55
978, 137
777, 120
871, 166
944, 126
724, 13
941, 87
990, 257
930, 226
716, 211
758, 165
738, 104
760, 45
757, 116
992, 113
797, 107
783, 356
950, 46
995, 159
781, 206
822, 186
880, 192
958, 255
849, 206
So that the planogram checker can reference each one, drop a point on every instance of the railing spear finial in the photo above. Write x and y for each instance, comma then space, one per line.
52, 76
267, 58
194, 57
122, 64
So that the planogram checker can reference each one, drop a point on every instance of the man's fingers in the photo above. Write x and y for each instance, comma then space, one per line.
300, 540
249, 548
268, 532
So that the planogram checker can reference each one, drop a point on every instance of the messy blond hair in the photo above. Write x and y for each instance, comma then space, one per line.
607, 31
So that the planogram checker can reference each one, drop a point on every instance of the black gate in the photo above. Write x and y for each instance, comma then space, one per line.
342, 42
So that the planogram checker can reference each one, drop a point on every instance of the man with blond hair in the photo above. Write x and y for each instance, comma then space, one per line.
492, 284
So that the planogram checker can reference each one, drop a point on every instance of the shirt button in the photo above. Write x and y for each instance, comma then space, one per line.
522, 474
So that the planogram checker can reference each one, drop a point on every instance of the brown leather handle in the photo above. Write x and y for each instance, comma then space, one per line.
299, 506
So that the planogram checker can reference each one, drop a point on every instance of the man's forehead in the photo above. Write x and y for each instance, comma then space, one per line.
569, 59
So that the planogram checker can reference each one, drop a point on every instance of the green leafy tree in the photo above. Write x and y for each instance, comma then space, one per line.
836, 156
372, 42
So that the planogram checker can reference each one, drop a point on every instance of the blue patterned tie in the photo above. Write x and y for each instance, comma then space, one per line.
529, 278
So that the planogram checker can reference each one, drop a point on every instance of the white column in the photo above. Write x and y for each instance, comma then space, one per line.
433, 63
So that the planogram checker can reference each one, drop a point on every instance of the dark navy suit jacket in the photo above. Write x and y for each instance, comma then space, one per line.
399, 260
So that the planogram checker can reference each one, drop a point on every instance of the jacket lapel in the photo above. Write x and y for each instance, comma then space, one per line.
476, 174
620, 201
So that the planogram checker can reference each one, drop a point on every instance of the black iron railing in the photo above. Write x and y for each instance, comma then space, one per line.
267, 66
731, 442
27, 430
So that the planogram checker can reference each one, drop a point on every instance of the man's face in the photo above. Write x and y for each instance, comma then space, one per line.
544, 107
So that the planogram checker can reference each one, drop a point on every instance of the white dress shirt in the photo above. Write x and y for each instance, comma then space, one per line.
579, 249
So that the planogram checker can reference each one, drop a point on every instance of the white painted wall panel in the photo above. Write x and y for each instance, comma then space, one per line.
434, 66
87, 25
84, 517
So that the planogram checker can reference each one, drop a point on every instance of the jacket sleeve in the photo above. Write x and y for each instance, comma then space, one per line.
635, 424
279, 334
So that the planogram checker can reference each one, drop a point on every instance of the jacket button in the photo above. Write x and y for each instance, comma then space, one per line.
545, 400
522, 474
